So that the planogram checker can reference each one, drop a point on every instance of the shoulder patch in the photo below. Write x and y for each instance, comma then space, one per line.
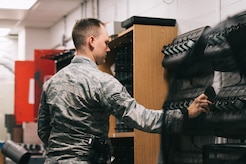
121, 95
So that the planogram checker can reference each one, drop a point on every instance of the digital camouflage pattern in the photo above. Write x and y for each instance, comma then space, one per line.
76, 104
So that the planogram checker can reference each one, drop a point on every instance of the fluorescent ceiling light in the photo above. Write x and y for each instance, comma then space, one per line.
4, 31
16, 4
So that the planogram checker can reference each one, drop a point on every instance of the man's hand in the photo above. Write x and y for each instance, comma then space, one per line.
199, 105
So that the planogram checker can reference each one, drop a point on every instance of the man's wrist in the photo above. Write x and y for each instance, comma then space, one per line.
185, 112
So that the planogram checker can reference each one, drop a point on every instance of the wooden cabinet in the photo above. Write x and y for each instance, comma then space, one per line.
149, 86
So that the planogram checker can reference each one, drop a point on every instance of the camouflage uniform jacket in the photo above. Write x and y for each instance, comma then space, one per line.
76, 104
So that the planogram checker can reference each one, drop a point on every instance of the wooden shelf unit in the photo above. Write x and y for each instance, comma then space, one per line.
149, 86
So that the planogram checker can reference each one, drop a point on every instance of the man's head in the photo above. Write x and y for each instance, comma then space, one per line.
91, 39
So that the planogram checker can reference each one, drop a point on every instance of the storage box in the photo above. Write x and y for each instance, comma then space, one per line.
30, 135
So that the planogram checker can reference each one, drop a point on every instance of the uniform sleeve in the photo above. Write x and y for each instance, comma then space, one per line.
174, 120
44, 120
125, 108
135, 115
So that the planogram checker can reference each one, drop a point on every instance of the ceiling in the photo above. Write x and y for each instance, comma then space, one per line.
43, 14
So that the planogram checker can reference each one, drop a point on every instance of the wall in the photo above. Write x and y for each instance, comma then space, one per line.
64, 27
190, 14
31, 39
7, 105
8, 54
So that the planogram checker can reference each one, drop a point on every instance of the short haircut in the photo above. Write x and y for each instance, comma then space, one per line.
84, 28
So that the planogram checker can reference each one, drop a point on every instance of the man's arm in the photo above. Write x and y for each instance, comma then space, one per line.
44, 120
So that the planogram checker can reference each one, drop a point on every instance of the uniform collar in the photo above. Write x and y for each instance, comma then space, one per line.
83, 59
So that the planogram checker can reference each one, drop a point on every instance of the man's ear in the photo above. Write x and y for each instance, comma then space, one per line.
91, 41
